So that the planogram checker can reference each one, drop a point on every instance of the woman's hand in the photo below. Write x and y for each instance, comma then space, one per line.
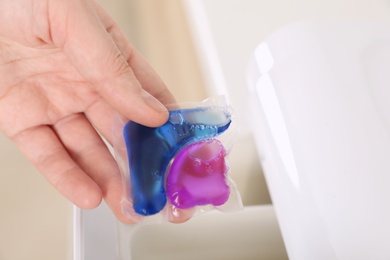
65, 70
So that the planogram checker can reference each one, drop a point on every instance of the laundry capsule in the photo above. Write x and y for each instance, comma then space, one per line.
150, 150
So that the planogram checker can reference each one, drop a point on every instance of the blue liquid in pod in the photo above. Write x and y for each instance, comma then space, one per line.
151, 149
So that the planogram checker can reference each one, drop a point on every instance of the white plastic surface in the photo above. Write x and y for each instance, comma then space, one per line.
95, 234
321, 95
252, 233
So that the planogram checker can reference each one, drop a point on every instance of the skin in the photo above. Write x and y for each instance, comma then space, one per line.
65, 70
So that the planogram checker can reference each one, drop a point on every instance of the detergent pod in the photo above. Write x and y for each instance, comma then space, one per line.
180, 165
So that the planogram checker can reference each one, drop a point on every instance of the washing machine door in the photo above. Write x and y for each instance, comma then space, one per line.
321, 102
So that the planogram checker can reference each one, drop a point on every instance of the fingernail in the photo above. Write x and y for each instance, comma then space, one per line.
153, 102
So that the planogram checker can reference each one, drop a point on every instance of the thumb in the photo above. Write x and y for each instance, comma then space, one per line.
89, 47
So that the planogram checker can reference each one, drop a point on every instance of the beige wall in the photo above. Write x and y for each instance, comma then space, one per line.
35, 221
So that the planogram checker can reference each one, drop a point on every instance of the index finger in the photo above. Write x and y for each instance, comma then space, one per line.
78, 30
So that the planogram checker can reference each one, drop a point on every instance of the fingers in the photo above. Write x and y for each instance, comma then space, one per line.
84, 172
89, 151
43, 148
93, 52
101, 54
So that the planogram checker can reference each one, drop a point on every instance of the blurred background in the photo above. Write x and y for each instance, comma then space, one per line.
36, 222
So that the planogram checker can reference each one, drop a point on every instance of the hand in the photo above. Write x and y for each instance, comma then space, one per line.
66, 70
